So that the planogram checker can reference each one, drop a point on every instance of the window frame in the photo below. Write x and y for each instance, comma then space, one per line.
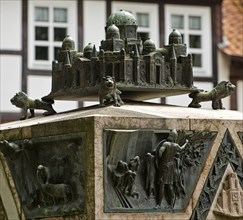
71, 27
206, 34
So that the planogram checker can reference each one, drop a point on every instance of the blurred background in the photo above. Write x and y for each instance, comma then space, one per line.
31, 33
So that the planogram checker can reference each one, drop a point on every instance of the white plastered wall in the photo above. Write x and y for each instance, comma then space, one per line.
94, 26
94, 22
10, 24
39, 86
223, 74
10, 65
239, 88
10, 82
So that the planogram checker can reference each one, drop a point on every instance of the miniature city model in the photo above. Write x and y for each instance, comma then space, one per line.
139, 69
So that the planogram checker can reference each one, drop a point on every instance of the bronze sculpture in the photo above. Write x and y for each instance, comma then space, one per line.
48, 177
222, 90
57, 193
21, 100
140, 70
150, 175
109, 92
165, 175
167, 163
124, 177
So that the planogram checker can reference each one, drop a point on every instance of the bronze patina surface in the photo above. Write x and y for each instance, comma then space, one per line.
141, 70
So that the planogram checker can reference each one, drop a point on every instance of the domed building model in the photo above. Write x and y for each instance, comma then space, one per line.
140, 70
175, 37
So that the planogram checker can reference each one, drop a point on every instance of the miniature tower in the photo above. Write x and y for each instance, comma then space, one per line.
148, 46
135, 66
173, 62
113, 41
88, 50
127, 25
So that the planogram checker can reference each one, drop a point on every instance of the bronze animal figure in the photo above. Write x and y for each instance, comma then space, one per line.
49, 191
21, 100
56, 191
108, 92
222, 90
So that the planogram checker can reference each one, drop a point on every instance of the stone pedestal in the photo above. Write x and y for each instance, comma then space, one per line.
72, 164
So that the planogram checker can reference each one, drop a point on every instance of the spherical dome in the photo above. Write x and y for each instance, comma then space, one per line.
89, 47
149, 43
121, 18
68, 43
148, 46
175, 37
175, 33
112, 29
113, 32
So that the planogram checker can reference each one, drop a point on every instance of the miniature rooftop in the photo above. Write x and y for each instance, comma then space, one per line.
141, 71
130, 110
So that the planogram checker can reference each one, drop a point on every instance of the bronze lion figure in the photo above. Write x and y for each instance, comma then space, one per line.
222, 90
108, 92
21, 100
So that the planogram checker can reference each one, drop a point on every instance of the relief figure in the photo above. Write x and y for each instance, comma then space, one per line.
167, 165
150, 175
57, 193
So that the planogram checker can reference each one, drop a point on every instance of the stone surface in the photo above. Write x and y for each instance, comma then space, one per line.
135, 116
3, 214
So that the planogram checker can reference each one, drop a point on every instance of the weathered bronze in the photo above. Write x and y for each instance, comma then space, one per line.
222, 90
21, 100
48, 173
169, 171
227, 155
150, 175
161, 175
108, 92
57, 193
140, 70
124, 177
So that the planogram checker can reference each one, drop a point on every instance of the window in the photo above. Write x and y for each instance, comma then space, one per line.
49, 24
194, 24
146, 16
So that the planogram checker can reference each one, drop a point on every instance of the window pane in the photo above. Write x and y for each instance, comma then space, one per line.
177, 21
41, 33
41, 14
197, 60
60, 15
194, 22
56, 49
195, 41
143, 19
59, 34
41, 53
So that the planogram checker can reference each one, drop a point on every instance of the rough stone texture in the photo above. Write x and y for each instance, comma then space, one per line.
135, 115
9, 197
